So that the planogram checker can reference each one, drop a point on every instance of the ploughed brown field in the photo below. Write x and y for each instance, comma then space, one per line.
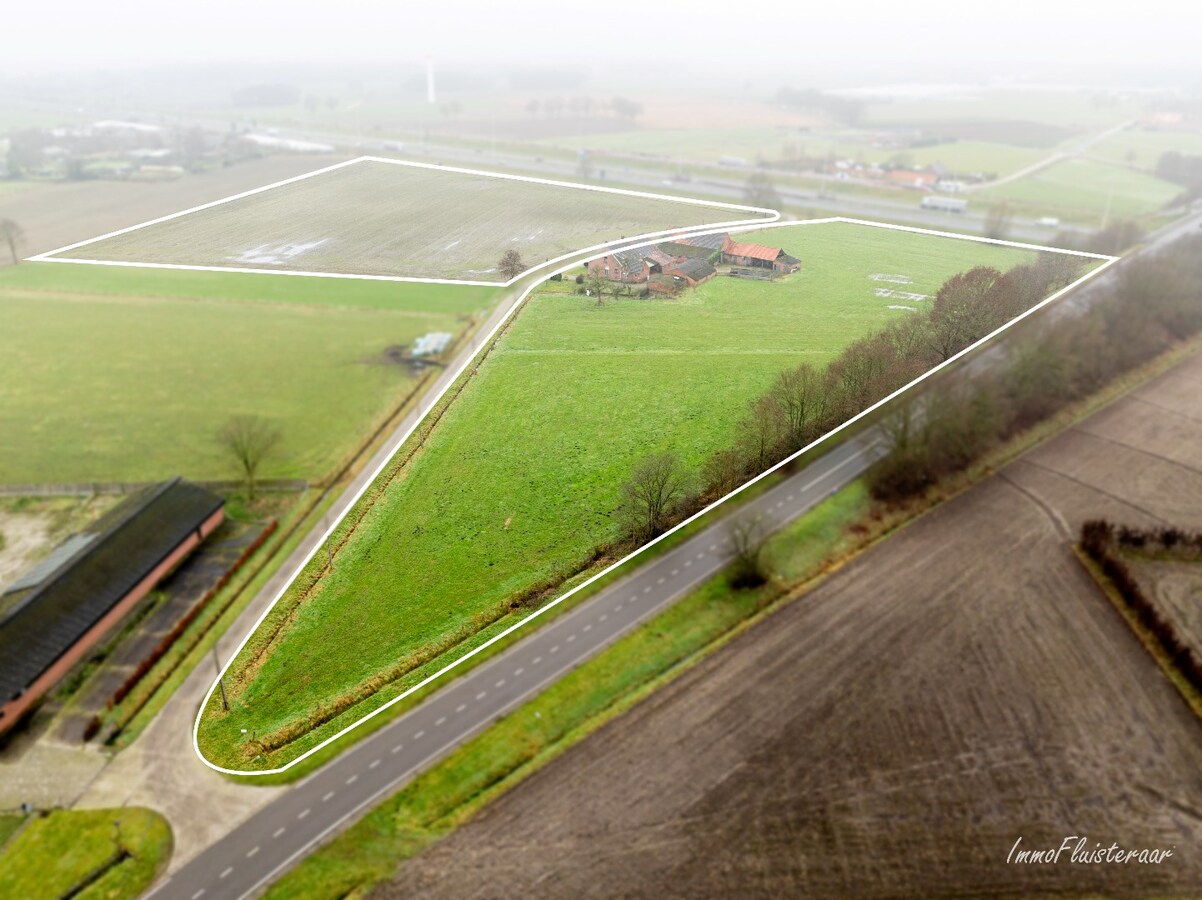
960, 685
54, 215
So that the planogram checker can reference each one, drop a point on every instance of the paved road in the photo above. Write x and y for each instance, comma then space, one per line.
275, 837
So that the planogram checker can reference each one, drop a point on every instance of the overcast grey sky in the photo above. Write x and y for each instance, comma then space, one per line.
73, 34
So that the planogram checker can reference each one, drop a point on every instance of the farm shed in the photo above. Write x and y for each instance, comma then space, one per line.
757, 256
709, 242
55, 614
693, 271
432, 344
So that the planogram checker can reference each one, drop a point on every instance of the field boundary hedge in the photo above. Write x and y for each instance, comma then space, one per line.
1102, 542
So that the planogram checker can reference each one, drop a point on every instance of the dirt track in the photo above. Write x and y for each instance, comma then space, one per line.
55, 215
958, 686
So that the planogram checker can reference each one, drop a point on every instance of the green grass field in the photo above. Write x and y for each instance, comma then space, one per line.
521, 478
1084, 191
112, 854
1143, 148
126, 374
375, 218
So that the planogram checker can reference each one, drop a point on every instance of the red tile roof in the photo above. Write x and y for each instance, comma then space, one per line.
753, 251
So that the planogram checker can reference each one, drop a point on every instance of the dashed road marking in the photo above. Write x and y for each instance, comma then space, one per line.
326, 798
278, 832
419, 735
500, 681
440, 721
480, 696
374, 763
687, 563
352, 779
198, 894
660, 580
225, 873
587, 628
571, 637
253, 851
517, 673
398, 748
461, 707
302, 813
675, 572
647, 589
555, 649
602, 617
537, 660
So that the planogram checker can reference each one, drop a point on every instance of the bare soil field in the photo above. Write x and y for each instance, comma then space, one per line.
384, 218
54, 215
1176, 588
959, 686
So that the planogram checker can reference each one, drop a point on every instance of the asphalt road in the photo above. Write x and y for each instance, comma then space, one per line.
278, 835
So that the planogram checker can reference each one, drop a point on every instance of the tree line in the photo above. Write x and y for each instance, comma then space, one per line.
804, 402
1155, 303
1101, 540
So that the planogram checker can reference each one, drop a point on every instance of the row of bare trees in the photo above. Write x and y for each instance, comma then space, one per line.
1156, 303
804, 402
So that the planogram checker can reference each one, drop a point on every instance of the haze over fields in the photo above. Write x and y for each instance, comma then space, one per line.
705, 567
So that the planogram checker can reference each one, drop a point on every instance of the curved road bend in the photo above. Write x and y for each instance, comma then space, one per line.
277, 836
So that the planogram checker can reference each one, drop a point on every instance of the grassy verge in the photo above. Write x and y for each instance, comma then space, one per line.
101, 853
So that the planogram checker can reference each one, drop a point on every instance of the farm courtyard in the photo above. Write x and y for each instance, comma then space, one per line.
118, 374
522, 476
383, 218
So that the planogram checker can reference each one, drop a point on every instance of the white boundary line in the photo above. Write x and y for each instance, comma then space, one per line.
1109, 261
764, 216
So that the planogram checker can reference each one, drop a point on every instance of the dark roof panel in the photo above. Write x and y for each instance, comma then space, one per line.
130, 541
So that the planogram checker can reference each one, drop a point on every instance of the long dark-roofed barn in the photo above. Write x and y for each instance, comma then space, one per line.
52, 616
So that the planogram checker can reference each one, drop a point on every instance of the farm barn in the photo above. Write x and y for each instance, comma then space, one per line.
52, 616
757, 256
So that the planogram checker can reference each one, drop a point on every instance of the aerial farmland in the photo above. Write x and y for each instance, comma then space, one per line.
522, 470
385, 219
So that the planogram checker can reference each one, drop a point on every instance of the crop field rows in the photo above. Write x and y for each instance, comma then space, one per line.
386, 219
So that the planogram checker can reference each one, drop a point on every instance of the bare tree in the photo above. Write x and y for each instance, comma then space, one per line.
250, 441
747, 538
656, 484
511, 265
800, 400
596, 287
12, 234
